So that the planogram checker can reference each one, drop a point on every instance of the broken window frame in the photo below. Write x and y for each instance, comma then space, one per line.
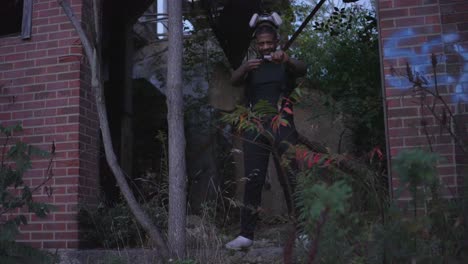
26, 24
26, 21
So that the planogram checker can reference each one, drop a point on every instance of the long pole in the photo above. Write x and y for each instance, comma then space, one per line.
303, 25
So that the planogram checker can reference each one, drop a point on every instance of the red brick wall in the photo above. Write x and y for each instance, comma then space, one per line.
410, 31
454, 18
46, 89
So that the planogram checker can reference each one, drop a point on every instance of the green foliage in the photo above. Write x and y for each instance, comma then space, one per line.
416, 168
435, 233
15, 160
341, 47
14, 253
320, 197
109, 227
114, 225
346, 233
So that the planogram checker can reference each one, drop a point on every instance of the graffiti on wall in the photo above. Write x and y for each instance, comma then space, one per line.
419, 59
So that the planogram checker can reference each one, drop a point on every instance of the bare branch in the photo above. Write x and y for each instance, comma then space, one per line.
91, 52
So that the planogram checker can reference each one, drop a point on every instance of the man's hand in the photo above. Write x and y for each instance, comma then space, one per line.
297, 66
239, 75
251, 65
279, 56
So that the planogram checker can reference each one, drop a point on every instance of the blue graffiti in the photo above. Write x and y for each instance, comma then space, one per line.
419, 60
462, 85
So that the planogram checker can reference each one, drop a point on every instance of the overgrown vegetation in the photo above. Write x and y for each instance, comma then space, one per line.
342, 49
333, 230
16, 197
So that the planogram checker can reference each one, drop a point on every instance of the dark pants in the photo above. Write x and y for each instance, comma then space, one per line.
257, 149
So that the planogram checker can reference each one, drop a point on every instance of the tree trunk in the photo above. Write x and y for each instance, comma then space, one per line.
92, 53
176, 135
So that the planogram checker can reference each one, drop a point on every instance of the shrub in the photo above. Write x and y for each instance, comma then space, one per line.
15, 160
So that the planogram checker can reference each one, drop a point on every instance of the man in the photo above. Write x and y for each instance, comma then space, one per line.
271, 77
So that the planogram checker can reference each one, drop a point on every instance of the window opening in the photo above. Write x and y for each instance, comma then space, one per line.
11, 17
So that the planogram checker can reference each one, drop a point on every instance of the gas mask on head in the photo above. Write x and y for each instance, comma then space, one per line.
272, 20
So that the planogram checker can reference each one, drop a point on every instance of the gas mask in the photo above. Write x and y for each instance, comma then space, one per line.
273, 19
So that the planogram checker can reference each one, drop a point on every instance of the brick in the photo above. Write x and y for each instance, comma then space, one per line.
34, 88
57, 85
393, 13
5, 116
41, 6
35, 71
7, 50
48, 12
25, 47
73, 171
47, 28
42, 236
58, 51
70, 58
34, 139
56, 103
6, 66
56, 120
67, 111
47, 45
18, 115
44, 95
69, 76
424, 10
65, 217
406, 3
60, 35
56, 68
66, 235
54, 226
24, 64
396, 142
44, 130
411, 41
415, 141
393, 103
45, 112
402, 112
402, 132
46, 61
65, 180
33, 122
446, 170
58, 20
14, 74
444, 149
31, 227
15, 57
434, 19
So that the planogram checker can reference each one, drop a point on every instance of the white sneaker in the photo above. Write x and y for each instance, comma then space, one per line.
239, 243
